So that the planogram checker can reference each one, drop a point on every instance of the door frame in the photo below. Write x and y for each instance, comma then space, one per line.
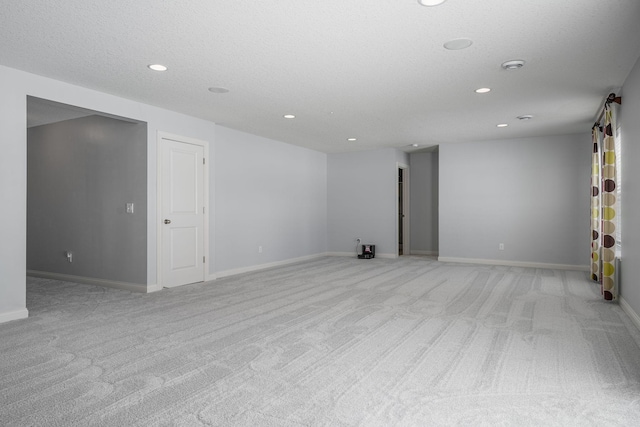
205, 229
406, 232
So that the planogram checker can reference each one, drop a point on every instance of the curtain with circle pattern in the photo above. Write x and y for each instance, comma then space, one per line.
604, 206
595, 204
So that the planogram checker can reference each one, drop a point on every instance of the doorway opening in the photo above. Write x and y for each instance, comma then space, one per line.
424, 202
403, 236
86, 196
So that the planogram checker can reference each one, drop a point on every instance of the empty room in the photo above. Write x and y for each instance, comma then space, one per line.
345, 213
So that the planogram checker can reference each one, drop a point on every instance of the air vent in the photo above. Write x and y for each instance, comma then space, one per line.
516, 64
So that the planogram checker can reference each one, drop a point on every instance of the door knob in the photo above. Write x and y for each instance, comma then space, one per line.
167, 221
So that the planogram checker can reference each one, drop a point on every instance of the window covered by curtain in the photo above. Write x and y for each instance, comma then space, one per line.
604, 204
619, 173
595, 204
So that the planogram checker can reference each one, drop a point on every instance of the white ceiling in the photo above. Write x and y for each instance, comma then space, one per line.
374, 70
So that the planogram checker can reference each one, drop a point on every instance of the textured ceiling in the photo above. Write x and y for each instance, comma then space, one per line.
375, 70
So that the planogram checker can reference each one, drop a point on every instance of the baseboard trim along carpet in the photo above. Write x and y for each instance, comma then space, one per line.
353, 254
427, 253
630, 312
153, 288
253, 268
133, 287
8, 316
514, 263
258, 267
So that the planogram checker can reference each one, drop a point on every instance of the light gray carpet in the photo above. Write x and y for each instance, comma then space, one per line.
329, 342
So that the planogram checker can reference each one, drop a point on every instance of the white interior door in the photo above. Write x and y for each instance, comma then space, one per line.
182, 213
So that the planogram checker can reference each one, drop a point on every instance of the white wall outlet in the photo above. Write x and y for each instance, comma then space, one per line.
501, 246
358, 240
129, 207
69, 255
259, 249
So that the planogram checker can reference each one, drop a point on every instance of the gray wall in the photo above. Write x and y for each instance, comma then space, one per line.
80, 175
362, 199
530, 194
268, 194
423, 181
13, 187
629, 120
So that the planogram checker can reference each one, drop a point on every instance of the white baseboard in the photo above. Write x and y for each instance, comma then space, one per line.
630, 312
515, 263
8, 316
251, 268
430, 253
133, 287
389, 256
353, 254
153, 288
342, 254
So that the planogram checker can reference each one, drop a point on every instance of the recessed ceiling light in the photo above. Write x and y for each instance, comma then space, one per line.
431, 2
157, 67
216, 89
352, 139
289, 116
415, 145
513, 65
483, 90
457, 44
502, 125
525, 117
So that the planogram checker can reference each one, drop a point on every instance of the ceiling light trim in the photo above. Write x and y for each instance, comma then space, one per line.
430, 3
157, 67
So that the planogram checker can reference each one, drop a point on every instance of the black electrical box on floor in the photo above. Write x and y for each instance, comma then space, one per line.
368, 252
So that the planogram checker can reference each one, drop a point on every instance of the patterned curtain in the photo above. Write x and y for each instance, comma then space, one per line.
604, 205
595, 205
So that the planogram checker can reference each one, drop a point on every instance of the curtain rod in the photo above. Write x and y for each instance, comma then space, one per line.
611, 98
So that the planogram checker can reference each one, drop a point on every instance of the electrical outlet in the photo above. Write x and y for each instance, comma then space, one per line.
129, 208
259, 249
501, 247
358, 240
